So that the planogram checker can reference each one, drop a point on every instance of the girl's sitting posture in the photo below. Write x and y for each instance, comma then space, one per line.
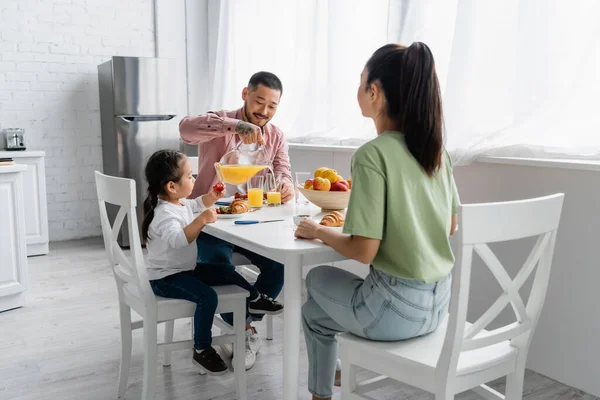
170, 230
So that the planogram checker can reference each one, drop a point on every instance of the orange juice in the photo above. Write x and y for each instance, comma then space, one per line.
239, 174
255, 197
274, 198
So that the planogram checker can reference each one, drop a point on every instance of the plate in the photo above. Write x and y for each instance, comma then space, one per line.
230, 216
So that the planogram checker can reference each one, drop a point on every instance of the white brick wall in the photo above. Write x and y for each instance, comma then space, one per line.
49, 51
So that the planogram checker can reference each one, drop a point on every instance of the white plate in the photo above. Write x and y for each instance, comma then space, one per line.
230, 216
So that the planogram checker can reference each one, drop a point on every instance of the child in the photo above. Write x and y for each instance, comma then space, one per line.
170, 231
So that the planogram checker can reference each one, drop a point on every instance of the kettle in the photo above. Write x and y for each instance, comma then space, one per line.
15, 139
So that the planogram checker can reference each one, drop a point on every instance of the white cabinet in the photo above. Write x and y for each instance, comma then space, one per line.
14, 279
34, 194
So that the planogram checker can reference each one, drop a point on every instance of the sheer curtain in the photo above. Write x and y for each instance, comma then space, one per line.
524, 79
317, 48
518, 77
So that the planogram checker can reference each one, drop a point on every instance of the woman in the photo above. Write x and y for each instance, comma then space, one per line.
402, 209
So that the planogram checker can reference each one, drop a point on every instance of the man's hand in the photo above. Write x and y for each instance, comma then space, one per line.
287, 192
249, 133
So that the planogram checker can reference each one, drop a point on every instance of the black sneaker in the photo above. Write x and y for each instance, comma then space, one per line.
210, 362
265, 305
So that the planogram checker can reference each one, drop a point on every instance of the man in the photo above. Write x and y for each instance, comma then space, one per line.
217, 133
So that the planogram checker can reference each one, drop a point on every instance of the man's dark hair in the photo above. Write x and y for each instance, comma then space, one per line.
267, 79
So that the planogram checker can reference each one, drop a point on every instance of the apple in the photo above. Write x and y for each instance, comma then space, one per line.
321, 184
308, 184
344, 182
339, 187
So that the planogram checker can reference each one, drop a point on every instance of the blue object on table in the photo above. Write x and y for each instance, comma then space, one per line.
223, 203
253, 221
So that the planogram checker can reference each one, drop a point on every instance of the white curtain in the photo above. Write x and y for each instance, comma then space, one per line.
317, 48
524, 79
518, 77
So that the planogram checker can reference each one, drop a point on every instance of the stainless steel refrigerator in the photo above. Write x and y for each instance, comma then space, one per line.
137, 110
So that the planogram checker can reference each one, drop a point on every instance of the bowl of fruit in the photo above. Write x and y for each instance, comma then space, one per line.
327, 190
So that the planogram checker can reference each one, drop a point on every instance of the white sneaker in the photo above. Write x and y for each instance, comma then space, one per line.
253, 341
253, 346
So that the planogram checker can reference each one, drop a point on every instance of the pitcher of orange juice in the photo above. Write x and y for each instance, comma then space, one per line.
237, 166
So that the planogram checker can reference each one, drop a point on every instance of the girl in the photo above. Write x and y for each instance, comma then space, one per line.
402, 208
170, 231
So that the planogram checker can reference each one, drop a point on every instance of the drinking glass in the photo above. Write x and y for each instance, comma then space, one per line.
273, 187
301, 177
256, 186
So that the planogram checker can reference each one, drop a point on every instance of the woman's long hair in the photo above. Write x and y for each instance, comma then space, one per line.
163, 166
407, 77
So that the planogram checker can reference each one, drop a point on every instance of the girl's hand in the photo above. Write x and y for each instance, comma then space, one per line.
208, 216
217, 191
307, 229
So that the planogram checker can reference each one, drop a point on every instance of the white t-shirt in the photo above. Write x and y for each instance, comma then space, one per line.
168, 249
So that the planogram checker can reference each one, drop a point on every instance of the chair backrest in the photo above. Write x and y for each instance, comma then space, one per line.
130, 269
194, 161
498, 222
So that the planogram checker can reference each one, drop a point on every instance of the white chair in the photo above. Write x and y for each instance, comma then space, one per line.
134, 292
241, 263
460, 356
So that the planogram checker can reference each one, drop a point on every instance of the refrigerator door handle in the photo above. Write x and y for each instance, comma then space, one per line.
146, 118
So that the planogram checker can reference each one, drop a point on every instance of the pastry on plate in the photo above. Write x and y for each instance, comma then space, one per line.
335, 219
238, 206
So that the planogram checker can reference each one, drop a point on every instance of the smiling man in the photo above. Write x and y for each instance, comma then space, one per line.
217, 133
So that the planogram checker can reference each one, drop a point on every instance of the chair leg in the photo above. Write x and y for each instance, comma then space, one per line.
169, 329
514, 382
239, 367
150, 355
125, 316
269, 327
348, 374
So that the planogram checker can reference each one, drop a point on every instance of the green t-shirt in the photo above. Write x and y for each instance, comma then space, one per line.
395, 201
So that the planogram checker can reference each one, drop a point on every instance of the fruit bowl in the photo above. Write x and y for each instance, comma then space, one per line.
327, 200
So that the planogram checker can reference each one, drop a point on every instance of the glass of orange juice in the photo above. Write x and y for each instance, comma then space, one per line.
256, 191
274, 190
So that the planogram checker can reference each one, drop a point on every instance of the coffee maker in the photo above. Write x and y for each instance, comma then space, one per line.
15, 139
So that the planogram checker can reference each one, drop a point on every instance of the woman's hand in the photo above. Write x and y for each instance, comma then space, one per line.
308, 229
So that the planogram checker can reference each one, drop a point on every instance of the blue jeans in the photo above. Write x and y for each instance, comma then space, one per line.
380, 307
217, 253
186, 286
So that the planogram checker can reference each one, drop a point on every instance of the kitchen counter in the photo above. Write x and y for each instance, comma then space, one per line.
11, 169
13, 246
21, 154
34, 196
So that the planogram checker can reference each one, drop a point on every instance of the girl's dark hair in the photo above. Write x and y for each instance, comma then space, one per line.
407, 77
163, 166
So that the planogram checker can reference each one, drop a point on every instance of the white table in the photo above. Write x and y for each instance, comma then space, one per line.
276, 241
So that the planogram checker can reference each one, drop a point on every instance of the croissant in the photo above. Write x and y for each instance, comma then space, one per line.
238, 206
335, 218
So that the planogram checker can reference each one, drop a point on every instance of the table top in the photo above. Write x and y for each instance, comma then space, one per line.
273, 239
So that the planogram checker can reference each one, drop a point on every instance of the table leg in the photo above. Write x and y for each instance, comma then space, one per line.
292, 297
